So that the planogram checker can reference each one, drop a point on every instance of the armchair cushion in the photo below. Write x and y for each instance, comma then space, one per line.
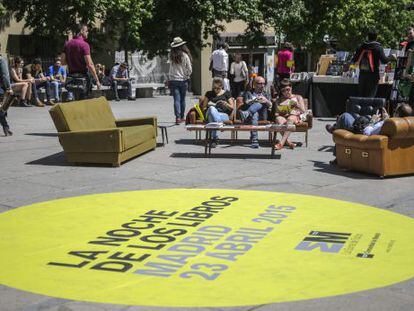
136, 135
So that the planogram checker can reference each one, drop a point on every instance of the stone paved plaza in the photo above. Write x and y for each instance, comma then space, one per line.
34, 170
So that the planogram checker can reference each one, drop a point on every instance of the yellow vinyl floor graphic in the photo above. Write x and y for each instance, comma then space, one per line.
202, 247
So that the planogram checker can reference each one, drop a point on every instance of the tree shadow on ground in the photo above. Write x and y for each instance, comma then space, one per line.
226, 156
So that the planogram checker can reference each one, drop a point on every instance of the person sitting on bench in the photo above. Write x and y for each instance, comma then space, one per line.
288, 110
219, 105
119, 77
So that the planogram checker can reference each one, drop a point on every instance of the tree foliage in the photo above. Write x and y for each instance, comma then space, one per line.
151, 25
349, 21
192, 20
54, 19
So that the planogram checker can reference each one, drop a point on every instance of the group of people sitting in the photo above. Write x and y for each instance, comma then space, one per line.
27, 80
254, 105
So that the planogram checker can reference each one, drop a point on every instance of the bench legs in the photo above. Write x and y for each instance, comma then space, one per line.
306, 139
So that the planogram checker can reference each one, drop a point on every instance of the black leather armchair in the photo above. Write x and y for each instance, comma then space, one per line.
364, 106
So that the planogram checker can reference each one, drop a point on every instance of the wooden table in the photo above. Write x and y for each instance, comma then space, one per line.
271, 129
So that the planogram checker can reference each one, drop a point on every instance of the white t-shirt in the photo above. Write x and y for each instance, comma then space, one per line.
220, 60
239, 70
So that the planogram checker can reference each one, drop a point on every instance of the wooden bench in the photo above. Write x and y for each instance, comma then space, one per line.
272, 129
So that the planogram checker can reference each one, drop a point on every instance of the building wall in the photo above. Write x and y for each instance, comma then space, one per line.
15, 28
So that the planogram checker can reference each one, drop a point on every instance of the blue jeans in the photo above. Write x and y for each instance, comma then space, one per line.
214, 115
179, 90
257, 112
126, 83
53, 88
345, 121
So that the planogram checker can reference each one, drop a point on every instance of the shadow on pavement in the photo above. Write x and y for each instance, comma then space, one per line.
326, 148
226, 156
43, 134
238, 142
336, 170
57, 159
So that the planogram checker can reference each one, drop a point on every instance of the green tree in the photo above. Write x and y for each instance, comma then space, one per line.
193, 20
55, 19
348, 21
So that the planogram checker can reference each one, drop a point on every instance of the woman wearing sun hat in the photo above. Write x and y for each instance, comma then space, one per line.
180, 72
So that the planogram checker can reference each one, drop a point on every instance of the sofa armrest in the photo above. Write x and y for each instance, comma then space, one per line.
105, 140
346, 138
398, 128
151, 120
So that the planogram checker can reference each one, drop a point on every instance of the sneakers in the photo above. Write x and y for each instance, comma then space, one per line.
254, 144
214, 143
242, 115
131, 98
330, 128
117, 99
25, 103
51, 102
177, 121
38, 103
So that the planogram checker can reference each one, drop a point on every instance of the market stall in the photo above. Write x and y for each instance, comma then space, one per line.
334, 82
330, 93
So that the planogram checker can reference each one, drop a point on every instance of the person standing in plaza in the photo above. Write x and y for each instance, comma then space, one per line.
219, 61
285, 60
239, 70
6, 93
368, 57
179, 74
77, 55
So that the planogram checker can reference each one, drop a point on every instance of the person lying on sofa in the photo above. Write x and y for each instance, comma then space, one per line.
219, 104
363, 125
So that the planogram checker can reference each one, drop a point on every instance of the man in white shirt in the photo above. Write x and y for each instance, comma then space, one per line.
219, 61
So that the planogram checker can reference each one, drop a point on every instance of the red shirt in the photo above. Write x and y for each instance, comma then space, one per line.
75, 51
283, 57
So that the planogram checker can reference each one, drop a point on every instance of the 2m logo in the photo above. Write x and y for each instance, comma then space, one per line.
329, 242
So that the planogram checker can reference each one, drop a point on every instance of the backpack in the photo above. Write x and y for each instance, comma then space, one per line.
366, 61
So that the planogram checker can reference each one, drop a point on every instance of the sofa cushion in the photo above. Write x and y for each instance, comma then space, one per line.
91, 114
136, 135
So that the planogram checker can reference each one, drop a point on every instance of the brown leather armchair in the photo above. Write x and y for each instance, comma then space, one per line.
390, 153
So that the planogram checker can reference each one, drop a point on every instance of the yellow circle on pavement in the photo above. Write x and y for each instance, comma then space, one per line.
202, 247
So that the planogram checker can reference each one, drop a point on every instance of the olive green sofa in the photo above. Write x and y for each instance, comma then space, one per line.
89, 133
